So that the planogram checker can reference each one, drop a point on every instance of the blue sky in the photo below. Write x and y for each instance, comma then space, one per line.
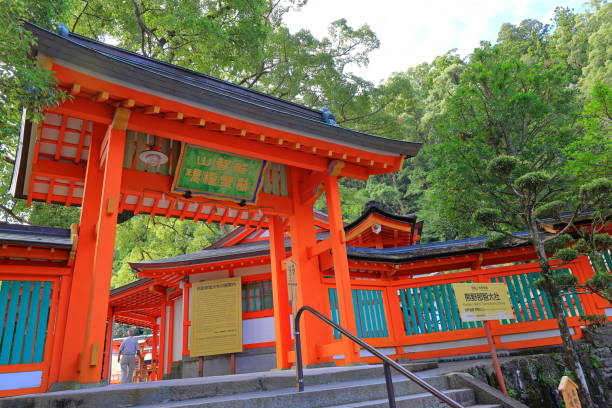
415, 31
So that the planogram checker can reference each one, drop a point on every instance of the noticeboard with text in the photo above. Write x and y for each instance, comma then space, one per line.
216, 317
216, 174
483, 301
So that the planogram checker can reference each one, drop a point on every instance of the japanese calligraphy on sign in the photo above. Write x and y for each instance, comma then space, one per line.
217, 174
292, 283
483, 301
216, 317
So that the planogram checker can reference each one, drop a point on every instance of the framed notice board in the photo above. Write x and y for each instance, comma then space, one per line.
216, 317
483, 301
217, 174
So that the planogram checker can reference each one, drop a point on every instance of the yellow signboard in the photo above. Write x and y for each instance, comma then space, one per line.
483, 301
216, 317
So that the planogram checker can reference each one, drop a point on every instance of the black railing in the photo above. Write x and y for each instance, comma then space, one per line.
388, 363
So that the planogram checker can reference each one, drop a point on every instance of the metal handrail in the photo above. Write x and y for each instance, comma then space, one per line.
388, 363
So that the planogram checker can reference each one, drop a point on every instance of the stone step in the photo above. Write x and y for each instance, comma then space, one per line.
463, 396
486, 406
326, 395
205, 387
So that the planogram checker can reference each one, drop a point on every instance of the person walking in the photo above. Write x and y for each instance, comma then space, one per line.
127, 356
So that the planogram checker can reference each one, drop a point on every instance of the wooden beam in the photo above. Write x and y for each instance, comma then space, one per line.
179, 131
216, 127
101, 96
128, 103
195, 122
151, 110
173, 115
75, 90
34, 253
87, 109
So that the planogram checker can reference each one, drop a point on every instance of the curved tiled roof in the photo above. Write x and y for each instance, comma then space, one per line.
157, 77
389, 255
32, 235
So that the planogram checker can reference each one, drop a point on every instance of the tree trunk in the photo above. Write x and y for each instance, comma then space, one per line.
569, 350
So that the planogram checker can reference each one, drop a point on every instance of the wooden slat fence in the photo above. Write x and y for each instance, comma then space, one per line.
24, 317
369, 312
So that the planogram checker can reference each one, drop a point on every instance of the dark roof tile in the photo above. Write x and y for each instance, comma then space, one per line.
33, 235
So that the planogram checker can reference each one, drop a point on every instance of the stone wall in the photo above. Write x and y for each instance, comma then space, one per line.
534, 379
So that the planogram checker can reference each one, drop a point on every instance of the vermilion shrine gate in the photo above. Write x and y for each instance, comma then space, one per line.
113, 150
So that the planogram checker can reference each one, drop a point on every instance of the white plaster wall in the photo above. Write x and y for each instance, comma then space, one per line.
167, 334
258, 330
540, 334
480, 341
25, 379
177, 335
385, 350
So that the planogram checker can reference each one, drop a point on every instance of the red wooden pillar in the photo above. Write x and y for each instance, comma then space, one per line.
170, 338
310, 290
78, 304
108, 349
395, 317
162, 341
60, 331
155, 352
341, 268
186, 321
582, 268
282, 328
113, 148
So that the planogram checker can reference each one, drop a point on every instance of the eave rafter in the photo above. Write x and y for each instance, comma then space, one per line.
359, 164
185, 270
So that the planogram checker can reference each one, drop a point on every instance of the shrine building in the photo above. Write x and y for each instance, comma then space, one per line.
401, 291
139, 136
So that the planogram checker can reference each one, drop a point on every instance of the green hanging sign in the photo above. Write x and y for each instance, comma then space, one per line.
217, 174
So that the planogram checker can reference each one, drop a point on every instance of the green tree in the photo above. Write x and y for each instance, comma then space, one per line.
502, 157
591, 154
145, 238
24, 86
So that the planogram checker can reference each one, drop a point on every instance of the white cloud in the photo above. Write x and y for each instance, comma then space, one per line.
413, 31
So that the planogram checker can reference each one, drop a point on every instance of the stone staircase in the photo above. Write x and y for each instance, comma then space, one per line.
334, 387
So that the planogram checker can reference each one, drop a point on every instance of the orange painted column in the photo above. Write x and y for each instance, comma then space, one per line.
341, 268
162, 341
395, 317
282, 310
593, 304
60, 331
310, 290
91, 361
186, 321
170, 338
155, 352
108, 349
83, 264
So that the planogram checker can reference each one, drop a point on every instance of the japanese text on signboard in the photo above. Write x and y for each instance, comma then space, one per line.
483, 301
218, 174
216, 317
